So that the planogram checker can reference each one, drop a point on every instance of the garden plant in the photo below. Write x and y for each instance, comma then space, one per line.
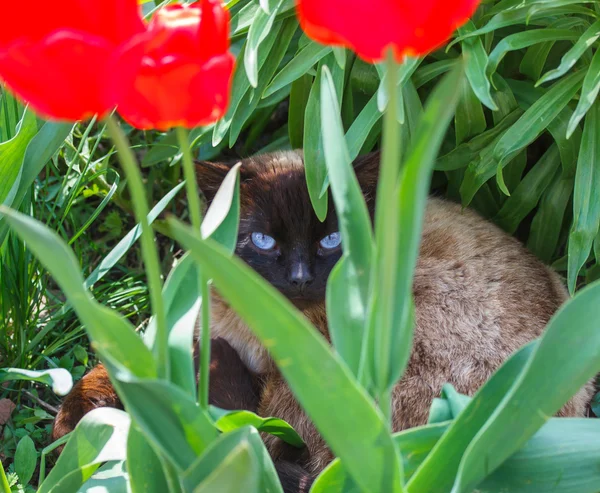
109, 251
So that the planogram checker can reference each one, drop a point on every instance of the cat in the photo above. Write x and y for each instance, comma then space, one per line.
479, 296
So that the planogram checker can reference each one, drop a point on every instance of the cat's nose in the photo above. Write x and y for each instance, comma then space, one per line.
300, 274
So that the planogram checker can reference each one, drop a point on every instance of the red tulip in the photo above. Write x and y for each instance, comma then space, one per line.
57, 55
369, 27
183, 78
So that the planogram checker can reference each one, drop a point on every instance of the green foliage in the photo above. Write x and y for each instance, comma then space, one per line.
518, 140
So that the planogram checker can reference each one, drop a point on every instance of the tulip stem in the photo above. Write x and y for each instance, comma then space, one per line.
149, 251
195, 211
386, 198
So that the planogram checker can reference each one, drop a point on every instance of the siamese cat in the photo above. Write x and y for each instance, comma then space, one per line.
479, 296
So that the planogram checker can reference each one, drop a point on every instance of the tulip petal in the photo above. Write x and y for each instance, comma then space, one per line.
369, 28
62, 76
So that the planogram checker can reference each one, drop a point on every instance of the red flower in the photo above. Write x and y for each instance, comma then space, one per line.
183, 78
369, 27
57, 54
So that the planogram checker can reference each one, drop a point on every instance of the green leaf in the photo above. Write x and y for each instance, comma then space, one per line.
476, 61
100, 436
218, 457
470, 151
350, 283
25, 459
535, 120
277, 42
361, 127
39, 150
58, 378
297, 66
547, 223
469, 118
12, 153
143, 465
314, 154
113, 337
298, 102
568, 147
549, 379
589, 93
356, 431
438, 470
561, 457
259, 29
586, 206
237, 472
537, 117
529, 191
575, 53
231, 420
525, 39
112, 476
427, 73
241, 90
391, 311
169, 418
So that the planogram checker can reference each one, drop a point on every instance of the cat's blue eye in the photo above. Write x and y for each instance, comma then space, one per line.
331, 241
263, 241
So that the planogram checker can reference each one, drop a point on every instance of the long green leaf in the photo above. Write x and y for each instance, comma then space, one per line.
589, 93
547, 223
59, 379
356, 431
259, 30
348, 289
586, 206
529, 191
144, 467
570, 57
476, 61
314, 154
297, 67
525, 39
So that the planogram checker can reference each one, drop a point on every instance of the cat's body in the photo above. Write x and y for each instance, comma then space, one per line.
479, 296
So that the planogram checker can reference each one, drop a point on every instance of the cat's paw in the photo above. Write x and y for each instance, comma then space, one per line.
92, 391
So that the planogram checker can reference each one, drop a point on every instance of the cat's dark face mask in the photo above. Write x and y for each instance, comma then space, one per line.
280, 235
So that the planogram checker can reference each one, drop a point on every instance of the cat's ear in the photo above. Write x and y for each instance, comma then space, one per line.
367, 171
210, 176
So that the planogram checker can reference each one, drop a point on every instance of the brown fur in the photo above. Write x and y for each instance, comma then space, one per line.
479, 296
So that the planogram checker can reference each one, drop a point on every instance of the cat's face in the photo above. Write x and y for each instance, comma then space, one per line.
280, 236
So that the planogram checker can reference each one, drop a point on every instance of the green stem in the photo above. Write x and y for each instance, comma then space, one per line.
195, 211
386, 199
204, 347
149, 251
